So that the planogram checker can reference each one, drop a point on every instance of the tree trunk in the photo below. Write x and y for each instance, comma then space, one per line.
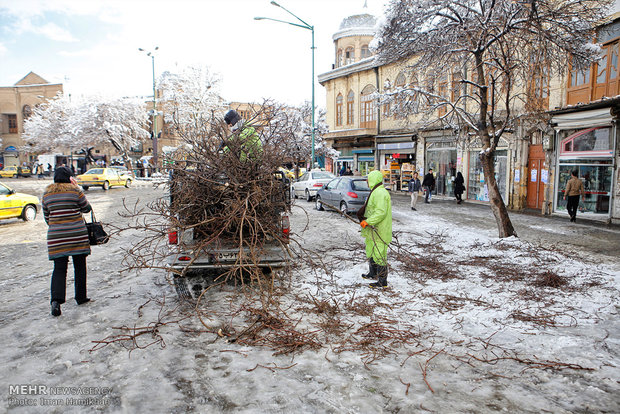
496, 202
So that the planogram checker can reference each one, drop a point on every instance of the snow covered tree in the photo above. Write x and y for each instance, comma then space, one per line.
297, 141
85, 123
190, 100
491, 50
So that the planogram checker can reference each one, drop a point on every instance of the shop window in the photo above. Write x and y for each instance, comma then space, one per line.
350, 107
367, 107
349, 56
596, 177
12, 123
592, 142
477, 188
339, 110
441, 157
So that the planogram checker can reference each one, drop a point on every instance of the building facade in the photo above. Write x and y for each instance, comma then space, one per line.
16, 105
532, 160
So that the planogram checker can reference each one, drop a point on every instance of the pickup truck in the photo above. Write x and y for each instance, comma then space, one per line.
197, 257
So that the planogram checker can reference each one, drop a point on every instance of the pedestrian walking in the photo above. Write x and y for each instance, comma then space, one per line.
63, 204
459, 187
376, 222
574, 189
429, 185
414, 187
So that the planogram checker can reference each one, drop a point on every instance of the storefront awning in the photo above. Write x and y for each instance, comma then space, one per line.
363, 151
582, 119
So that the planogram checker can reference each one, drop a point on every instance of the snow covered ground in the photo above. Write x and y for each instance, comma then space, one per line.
470, 323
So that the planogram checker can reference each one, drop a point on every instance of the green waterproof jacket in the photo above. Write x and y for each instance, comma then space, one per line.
378, 233
249, 143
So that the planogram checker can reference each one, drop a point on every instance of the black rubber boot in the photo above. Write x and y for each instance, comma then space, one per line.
372, 270
382, 273
55, 308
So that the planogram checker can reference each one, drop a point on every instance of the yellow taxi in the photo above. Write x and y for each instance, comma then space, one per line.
103, 177
19, 205
12, 172
287, 173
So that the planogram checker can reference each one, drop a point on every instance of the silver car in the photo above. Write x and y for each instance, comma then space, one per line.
309, 183
347, 194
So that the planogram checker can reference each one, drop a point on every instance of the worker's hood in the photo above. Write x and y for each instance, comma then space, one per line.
374, 178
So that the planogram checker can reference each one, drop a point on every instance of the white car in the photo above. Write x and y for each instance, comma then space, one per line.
310, 182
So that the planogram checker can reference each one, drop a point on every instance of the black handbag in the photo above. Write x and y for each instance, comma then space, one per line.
96, 233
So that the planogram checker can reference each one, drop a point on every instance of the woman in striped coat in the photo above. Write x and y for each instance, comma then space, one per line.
63, 205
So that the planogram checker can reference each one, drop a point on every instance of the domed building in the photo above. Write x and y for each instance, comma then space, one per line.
366, 134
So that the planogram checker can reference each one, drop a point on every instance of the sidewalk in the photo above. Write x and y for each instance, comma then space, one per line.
551, 231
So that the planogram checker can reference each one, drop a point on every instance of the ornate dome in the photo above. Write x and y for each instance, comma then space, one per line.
359, 21
357, 25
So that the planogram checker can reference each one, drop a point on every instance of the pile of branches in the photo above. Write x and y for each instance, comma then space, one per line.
226, 188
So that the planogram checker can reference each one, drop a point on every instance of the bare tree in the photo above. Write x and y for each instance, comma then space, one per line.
491, 49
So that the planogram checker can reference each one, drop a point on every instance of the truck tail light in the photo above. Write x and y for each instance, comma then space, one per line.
352, 194
173, 237
286, 227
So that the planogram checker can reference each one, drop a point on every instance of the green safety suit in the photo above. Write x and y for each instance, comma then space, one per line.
378, 233
250, 144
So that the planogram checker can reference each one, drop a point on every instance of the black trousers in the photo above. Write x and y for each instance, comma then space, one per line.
458, 196
572, 202
59, 278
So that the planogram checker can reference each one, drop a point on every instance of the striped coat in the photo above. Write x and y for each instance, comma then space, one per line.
63, 205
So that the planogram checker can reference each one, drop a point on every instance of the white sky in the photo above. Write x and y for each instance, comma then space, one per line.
92, 46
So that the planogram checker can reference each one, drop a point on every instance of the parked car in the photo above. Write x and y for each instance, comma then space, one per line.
12, 172
310, 182
102, 177
345, 193
12, 204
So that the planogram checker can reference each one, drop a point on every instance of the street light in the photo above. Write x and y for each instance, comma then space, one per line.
152, 55
308, 27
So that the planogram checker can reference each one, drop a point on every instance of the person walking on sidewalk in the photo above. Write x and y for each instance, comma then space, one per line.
414, 188
459, 187
63, 204
429, 185
376, 222
574, 189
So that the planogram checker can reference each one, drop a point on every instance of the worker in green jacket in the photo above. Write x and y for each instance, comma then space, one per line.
249, 144
377, 229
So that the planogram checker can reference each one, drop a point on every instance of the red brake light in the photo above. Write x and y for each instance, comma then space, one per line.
185, 258
317, 185
286, 226
173, 237
352, 194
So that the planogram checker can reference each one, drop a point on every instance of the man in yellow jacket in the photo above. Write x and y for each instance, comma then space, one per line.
377, 229
244, 139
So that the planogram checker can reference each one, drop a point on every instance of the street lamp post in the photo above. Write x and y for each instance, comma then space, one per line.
155, 152
311, 28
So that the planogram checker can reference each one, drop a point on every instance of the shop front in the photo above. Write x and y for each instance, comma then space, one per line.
586, 143
441, 157
364, 160
590, 152
394, 160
